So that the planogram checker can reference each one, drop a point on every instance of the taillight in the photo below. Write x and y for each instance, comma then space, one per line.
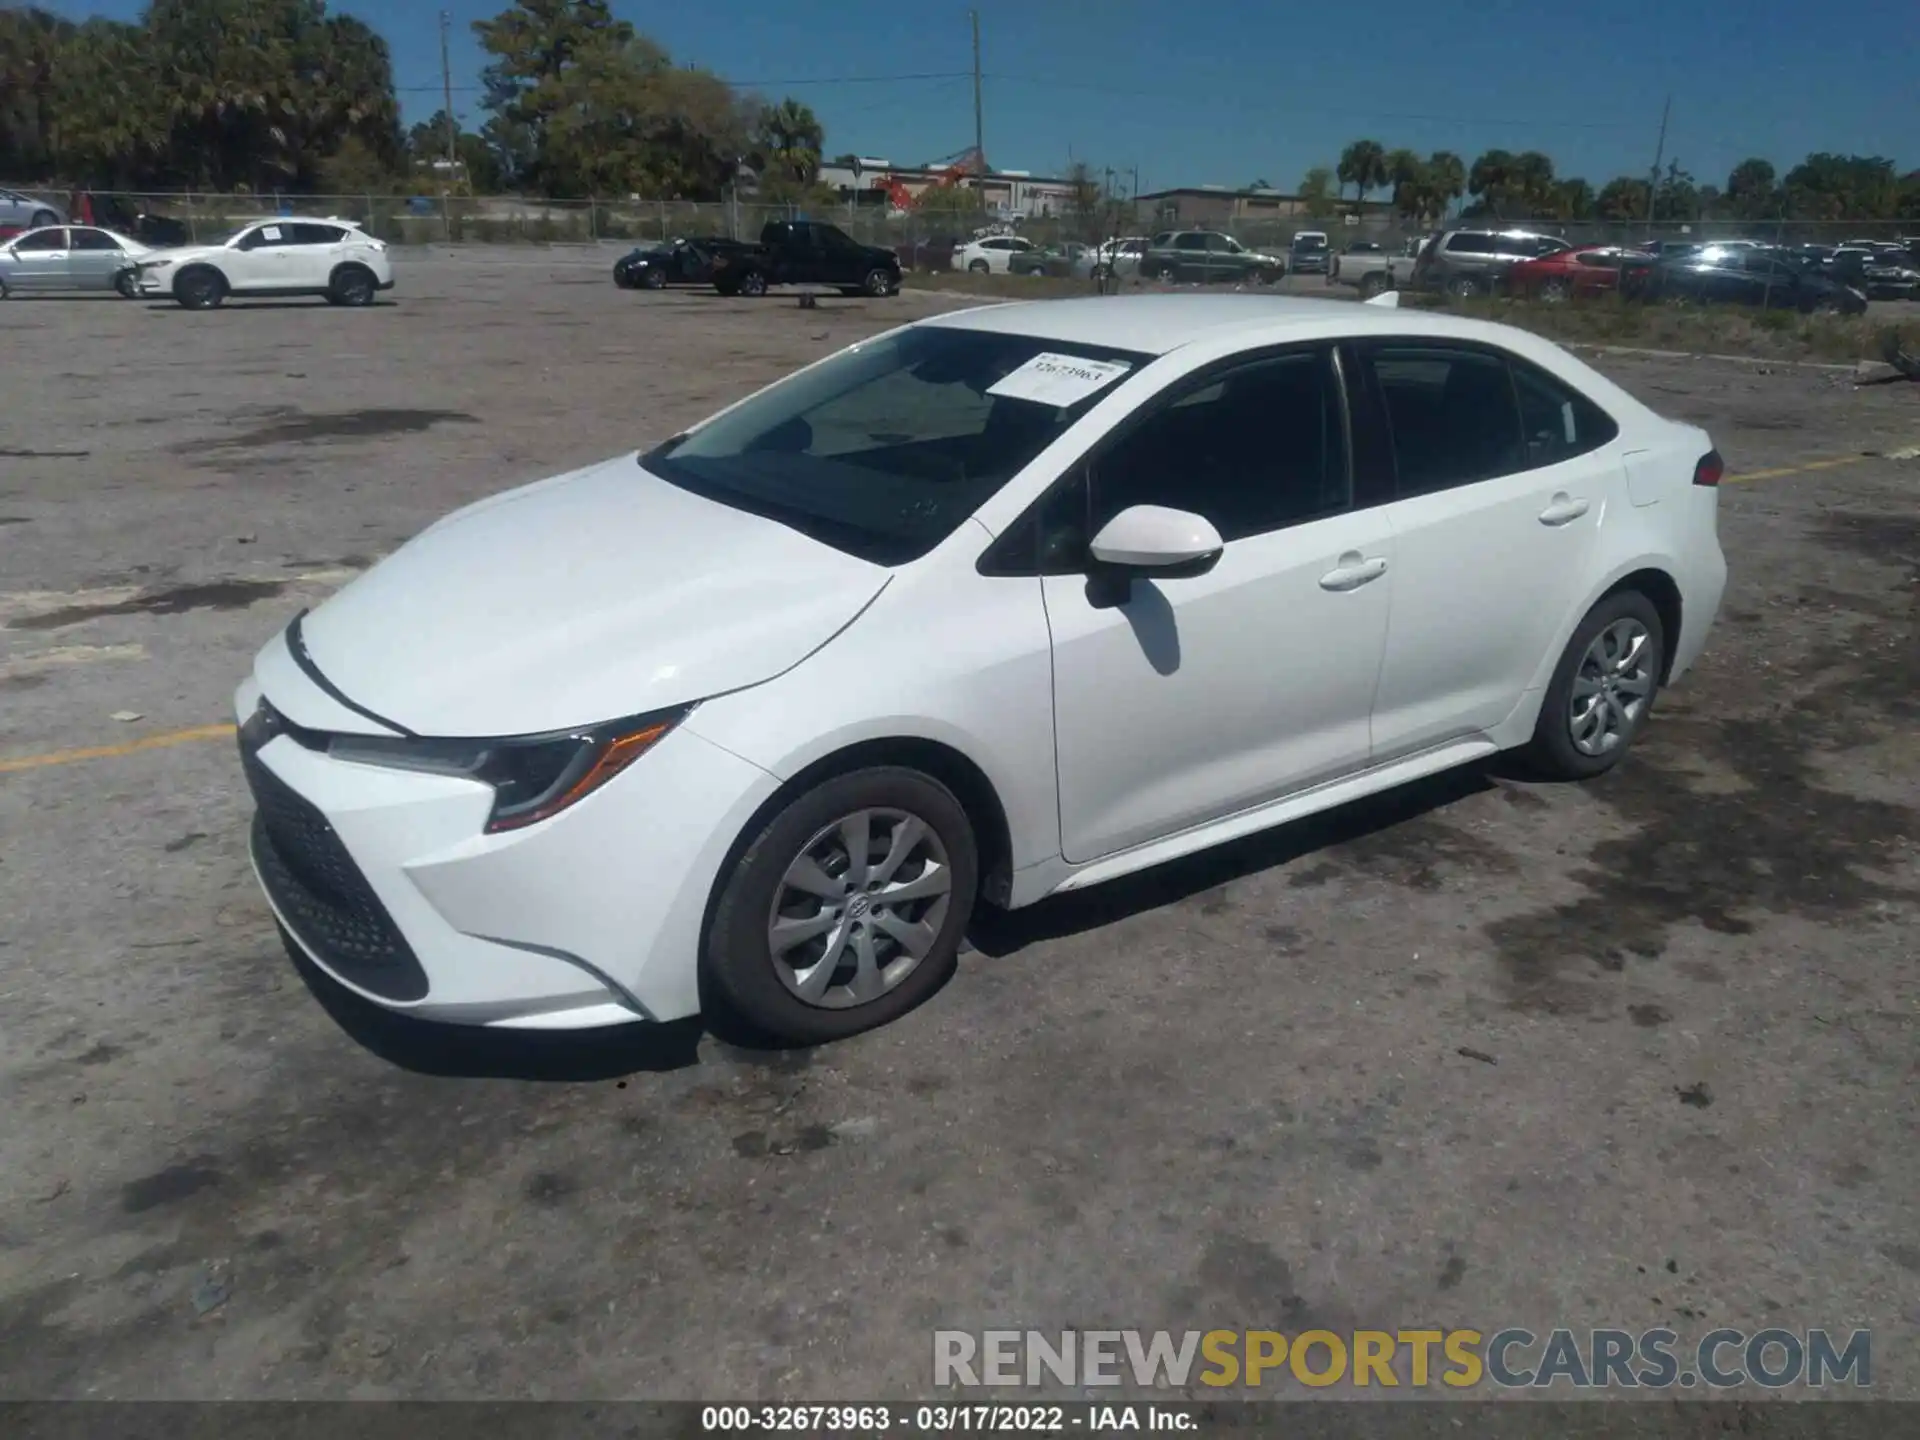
1709, 469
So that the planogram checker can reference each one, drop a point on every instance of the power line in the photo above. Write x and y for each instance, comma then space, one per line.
759, 84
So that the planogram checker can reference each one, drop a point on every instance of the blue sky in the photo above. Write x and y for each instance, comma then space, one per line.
1234, 90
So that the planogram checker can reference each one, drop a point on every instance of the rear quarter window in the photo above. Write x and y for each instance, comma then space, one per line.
1469, 244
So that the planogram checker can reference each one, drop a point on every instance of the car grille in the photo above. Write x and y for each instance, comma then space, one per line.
321, 893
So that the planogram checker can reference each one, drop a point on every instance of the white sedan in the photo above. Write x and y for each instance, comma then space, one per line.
1000, 604
991, 255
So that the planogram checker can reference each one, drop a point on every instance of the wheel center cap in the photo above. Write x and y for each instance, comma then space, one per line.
858, 907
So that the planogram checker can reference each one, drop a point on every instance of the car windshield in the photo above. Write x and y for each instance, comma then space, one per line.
1310, 242
886, 448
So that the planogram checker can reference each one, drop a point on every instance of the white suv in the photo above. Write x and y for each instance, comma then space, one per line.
332, 258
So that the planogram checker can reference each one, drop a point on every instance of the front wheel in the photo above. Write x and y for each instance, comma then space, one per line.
879, 283
979, 267
848, 907
653, 278
127, 282
753, 283
201, 289
352, 285
1602, 689
1556, 292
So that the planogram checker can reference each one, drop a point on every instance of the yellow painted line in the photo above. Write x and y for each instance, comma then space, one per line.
125, 747
1808, 468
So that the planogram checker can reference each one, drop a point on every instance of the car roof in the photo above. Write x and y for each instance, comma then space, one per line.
1160, 324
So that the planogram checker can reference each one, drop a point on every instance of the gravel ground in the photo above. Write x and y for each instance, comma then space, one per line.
1478, 1053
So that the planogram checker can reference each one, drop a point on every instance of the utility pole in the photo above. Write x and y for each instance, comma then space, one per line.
446, 89
979, 142
1659, 154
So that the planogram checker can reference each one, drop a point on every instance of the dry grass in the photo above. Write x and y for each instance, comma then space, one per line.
1694, 329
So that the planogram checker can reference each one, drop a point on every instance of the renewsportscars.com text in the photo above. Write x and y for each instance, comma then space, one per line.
1511, 1358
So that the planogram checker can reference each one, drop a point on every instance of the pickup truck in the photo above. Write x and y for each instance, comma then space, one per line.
807, 252
1372, 271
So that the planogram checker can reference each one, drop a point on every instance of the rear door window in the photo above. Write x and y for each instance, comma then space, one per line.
1469, 242
1451, 414
1557, 422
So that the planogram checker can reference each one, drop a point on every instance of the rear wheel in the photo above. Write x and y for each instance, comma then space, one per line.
1463, 287
1556, 292
1601, 691
753, 283
42, 218
1372, 285
200, 288
978, 267
847, 908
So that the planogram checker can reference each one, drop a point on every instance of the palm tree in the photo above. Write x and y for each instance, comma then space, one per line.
1447, 175
1491, 179
790, 137
1533, 181
1407, 173
1363, 165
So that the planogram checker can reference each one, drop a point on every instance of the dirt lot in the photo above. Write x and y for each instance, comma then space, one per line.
1484, 1053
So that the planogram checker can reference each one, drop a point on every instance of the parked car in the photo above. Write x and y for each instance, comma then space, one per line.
933, 253
1058, 260
1309, 253
1119, 258
1667, 249
29, 212
679, 261
1206, 257
1475, 262
333, 259
1883, 272
1372, 270
1772, 279
763, 713
990, 254
70, 257
1580, 273
806, 252
157, 232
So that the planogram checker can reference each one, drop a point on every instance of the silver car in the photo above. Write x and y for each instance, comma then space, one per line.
28, 212
70, 257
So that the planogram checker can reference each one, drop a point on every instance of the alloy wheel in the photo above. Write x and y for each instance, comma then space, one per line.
859, 908
1611, 688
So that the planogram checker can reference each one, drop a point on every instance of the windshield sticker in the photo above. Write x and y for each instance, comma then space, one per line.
1059, 380
269, 232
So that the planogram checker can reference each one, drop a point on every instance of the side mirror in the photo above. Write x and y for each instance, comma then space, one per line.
1157, 542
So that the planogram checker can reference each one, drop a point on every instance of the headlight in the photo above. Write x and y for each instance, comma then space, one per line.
533, 776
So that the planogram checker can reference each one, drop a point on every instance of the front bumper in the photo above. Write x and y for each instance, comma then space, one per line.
387, 881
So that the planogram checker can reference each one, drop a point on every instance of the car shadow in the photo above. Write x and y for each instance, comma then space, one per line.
999, 933
166, 305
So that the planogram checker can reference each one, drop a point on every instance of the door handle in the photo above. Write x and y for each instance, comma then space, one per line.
1353, 571
1564, 510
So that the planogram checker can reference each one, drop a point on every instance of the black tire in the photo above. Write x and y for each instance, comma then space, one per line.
42, 218
622, 277
127, 282
1463, 287
979, 267
1552, 753
352, 285
880, 283
1556, 292
738, 953
200, 287
4, 292
1372, 285
753, 283
653, 279
726, 287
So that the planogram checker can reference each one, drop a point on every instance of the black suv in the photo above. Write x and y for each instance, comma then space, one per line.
1475, 262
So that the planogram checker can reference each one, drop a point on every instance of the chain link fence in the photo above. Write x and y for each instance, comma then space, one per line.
924, 239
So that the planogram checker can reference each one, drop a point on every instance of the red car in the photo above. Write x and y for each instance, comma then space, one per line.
1583, 272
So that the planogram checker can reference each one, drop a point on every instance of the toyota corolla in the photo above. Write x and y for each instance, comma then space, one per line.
996, 605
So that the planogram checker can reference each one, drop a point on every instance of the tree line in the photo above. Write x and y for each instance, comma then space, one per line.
1503, 185
278, 95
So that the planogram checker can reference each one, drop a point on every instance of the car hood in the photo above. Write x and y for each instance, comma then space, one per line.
592, 596
173, 254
